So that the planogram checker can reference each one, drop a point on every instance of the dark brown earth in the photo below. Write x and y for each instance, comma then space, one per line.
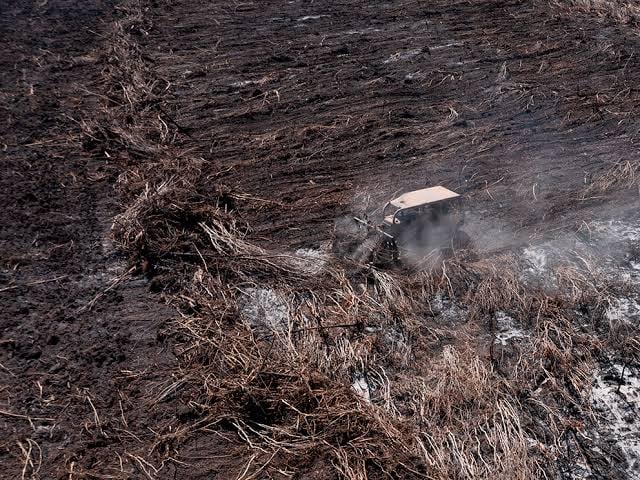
489, 98
296, 107
63, 366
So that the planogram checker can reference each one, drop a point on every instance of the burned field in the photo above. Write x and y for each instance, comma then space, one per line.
179, 175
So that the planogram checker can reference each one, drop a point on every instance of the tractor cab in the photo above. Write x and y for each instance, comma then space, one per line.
429, 205
413, 224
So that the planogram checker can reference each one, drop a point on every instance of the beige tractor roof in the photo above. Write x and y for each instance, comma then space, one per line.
423, 197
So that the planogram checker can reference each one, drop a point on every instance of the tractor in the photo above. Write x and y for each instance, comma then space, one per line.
415, 224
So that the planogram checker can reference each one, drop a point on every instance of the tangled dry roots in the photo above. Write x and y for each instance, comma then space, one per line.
439, 400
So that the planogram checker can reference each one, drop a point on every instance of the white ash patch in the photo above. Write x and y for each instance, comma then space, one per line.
624, 310
447, 310
419, 75
264, 307
539, 262
362, 32
632, 275
401, 56
243, 83
605, 247
99, 279
615, 230
247, 82
438, 302
361, 387
619, 273
447, 45
536, 258
306, 18
395, 340
615, 397
311, 260
507, 329
613, 242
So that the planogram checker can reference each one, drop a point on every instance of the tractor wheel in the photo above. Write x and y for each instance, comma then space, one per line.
387, 253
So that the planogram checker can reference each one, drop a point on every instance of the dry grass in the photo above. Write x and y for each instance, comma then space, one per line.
441, 412
623, 174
